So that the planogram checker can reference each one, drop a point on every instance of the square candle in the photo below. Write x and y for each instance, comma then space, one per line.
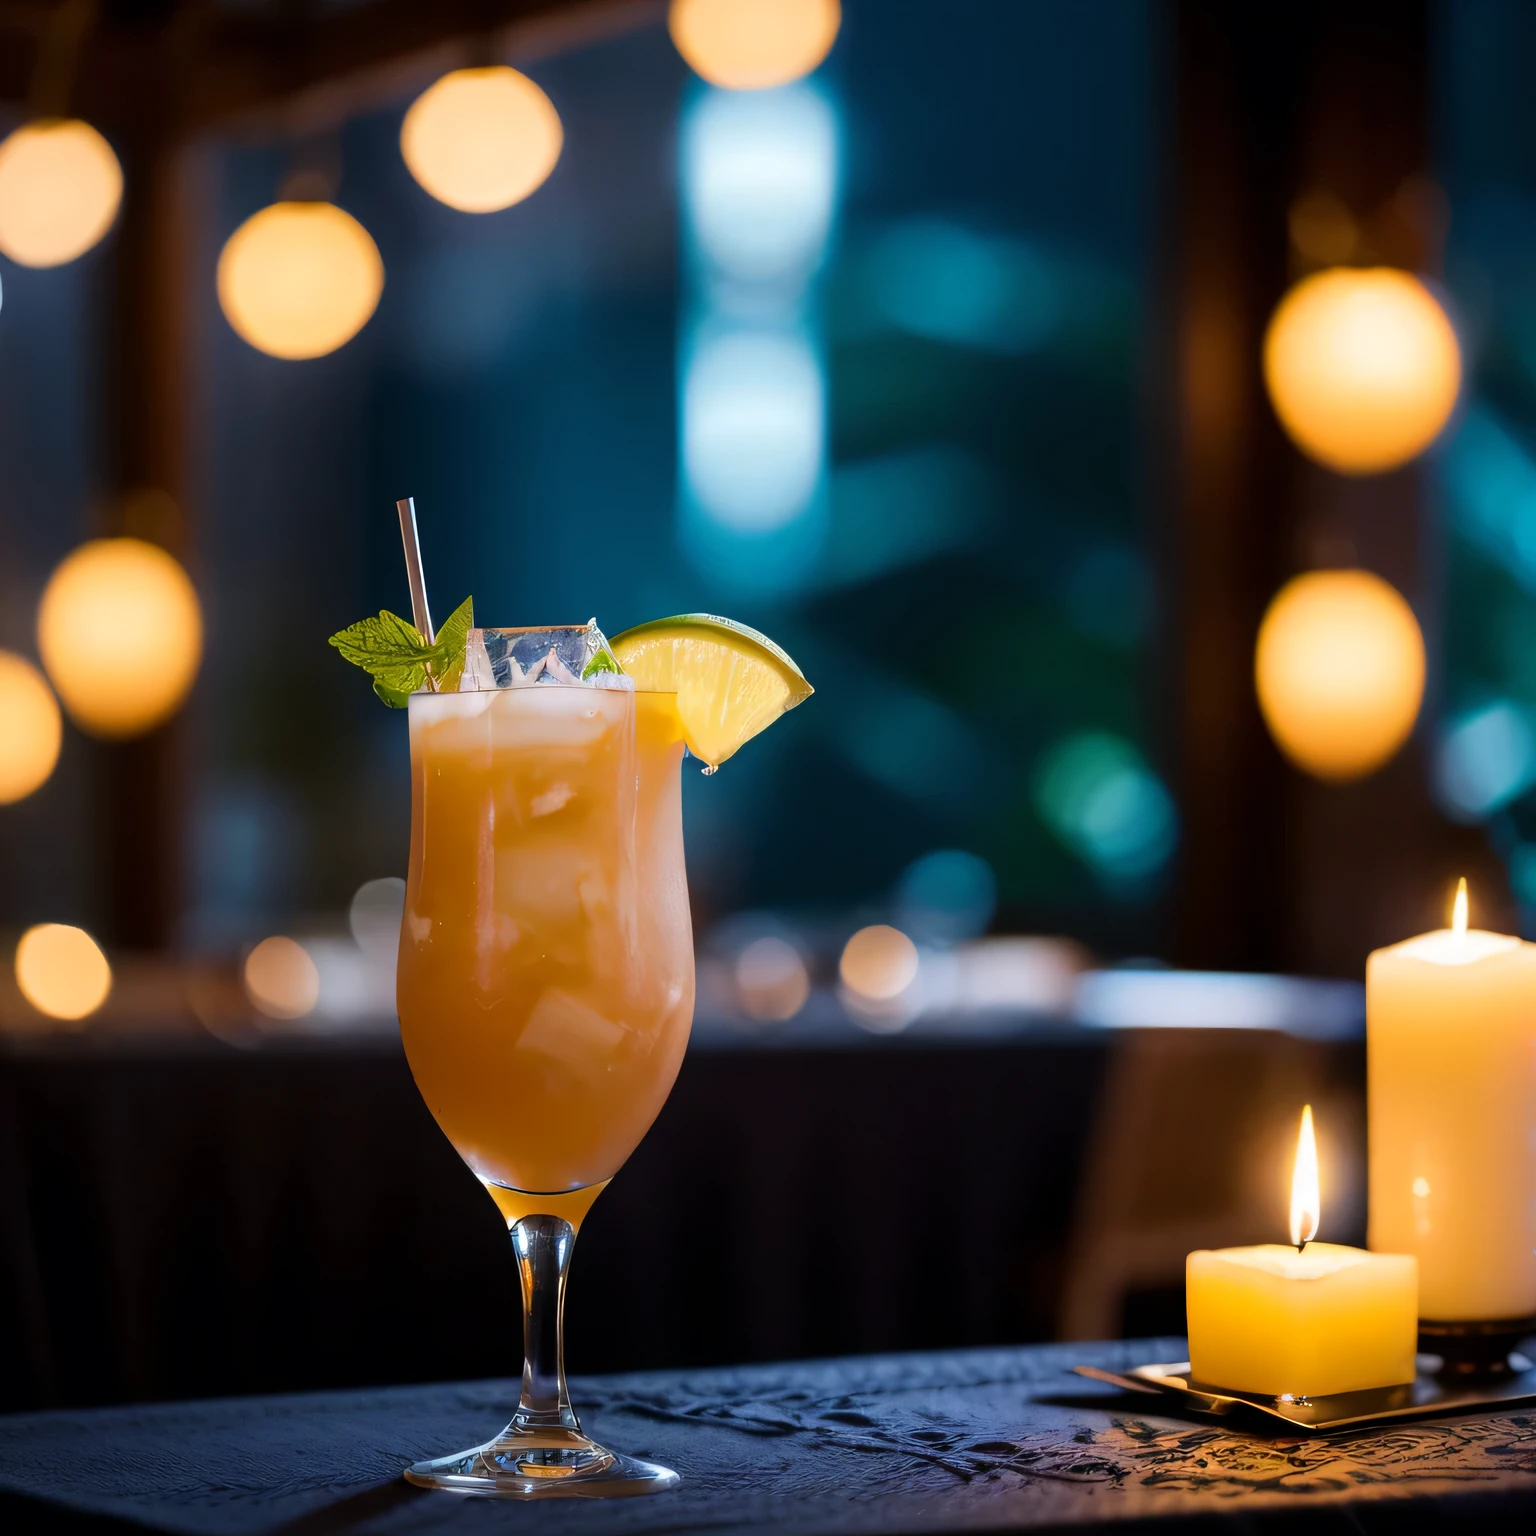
1273, 1322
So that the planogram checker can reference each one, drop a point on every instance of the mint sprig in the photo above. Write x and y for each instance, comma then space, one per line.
603, 661
396, 655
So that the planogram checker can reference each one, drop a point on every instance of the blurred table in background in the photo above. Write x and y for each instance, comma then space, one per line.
179, 1217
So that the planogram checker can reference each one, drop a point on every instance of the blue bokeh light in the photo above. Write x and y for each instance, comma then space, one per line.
937, 279
760, 183
1487, 758
1096, 792
946, 896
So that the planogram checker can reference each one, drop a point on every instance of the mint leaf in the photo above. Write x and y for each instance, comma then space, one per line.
386, 637
602, 662
448, 653
392, 651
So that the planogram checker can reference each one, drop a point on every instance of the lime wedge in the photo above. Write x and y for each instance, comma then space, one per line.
730, 681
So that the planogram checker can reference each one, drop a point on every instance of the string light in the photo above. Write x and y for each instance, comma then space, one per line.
1363, 368
299, 279
61, 971
31, 729
1340, 672
60, 187
120, 631
750, 45
481, 139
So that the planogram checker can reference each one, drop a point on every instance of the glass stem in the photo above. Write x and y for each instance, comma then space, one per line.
543, 1246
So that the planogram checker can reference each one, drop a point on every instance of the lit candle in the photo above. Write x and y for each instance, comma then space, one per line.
1305, 1321
1451, 1043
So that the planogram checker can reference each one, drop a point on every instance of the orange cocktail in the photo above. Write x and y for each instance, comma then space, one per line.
545, 983
545, 979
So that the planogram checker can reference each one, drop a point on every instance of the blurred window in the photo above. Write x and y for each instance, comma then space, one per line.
856, 360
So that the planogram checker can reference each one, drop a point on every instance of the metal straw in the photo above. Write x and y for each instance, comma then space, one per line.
408, 536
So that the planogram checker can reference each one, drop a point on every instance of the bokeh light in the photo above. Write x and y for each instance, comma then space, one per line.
61, 971
749, 45
31, 728
1322, 227
760, 182
771, 980
298, 280
281, 979
60, 187
946, 896
1487, 758
754, 429
121, 635
878, 963
1363, 368
1101, 798
1340, 672
941, 280
481, 139
375, 916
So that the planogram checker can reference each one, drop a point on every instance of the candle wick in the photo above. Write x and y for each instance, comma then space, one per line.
1301, 1247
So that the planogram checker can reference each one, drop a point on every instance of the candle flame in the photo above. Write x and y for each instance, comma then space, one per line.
1459, 908
1306, 1198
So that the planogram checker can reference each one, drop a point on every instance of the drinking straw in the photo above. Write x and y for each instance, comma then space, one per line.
422, 615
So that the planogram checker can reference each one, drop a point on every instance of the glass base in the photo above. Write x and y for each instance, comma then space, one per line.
518, 1464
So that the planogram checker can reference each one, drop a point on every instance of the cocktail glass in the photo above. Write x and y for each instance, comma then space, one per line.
545, 991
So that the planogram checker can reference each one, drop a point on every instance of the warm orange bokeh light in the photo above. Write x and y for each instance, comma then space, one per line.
1340, 672
749, 45
772, 983
481, 139
1363, 368
121, 635
298, 280
60, 186
61, 971
878, 963
281, 979
30, 729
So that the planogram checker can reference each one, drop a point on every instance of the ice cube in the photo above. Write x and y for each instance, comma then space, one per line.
520, 658
570, 1031
477, 676
556, 718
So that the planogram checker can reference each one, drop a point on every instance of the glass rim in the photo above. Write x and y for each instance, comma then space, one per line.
459, 693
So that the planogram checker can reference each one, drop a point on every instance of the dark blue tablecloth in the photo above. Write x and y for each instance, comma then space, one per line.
975, 1440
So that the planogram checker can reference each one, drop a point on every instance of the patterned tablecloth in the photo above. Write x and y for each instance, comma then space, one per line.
982, 1439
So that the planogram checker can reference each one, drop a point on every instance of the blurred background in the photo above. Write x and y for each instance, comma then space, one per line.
1124, 412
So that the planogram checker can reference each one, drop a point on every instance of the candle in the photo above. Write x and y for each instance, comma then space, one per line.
1304, 1321
1451, 1046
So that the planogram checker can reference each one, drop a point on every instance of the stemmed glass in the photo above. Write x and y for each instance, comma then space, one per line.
545, 991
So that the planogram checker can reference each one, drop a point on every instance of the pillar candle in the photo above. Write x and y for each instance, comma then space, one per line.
1451, 1047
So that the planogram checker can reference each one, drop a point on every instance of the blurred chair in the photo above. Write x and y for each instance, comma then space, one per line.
1193, 1149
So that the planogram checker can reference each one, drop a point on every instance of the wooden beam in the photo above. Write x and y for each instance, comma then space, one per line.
1279, 871
290, 70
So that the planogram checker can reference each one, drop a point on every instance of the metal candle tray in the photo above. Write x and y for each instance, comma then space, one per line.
1427, 1394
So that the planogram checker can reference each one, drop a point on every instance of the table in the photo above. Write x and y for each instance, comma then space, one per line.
997, 1439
